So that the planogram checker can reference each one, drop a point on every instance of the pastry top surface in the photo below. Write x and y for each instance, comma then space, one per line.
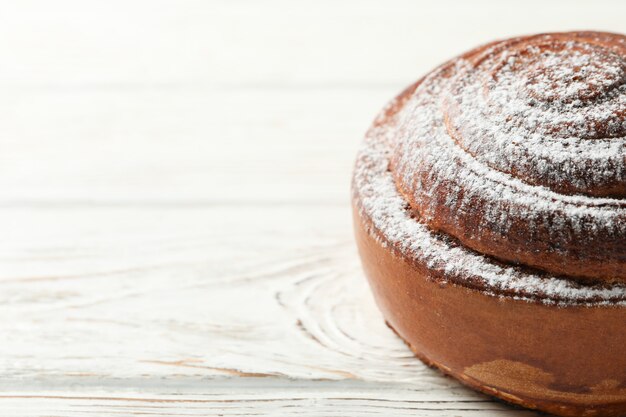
506, 169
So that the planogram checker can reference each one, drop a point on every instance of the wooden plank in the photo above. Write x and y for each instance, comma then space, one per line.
124, 292
262, 397
133, 44
211, 147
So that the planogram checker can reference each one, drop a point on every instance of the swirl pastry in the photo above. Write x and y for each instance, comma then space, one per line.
490, 213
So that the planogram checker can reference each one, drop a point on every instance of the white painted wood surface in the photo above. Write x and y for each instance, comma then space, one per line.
176, 232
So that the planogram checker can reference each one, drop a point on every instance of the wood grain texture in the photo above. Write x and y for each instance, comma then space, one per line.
174, 205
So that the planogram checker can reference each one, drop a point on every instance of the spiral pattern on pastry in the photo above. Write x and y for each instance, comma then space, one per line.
489, 203
517, 150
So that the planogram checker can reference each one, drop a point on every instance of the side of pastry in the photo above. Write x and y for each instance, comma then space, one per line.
490, 214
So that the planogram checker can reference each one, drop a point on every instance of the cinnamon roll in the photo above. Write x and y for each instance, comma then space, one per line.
490, 213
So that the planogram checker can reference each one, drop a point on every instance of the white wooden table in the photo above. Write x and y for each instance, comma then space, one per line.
174, 205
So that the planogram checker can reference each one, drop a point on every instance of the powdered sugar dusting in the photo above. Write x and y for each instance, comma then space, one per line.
466, 158
378, 200
424, 142
527, 132
550, 108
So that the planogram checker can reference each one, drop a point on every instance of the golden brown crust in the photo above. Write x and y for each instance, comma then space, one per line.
565, 361
510, 280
